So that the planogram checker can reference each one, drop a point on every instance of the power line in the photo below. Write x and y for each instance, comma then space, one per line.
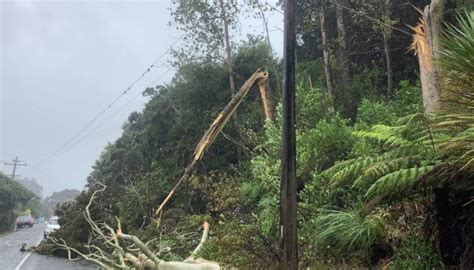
123, 93
371, 18
374, 51
357, 12
113, 114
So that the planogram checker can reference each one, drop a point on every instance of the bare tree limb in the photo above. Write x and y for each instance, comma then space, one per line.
140, 245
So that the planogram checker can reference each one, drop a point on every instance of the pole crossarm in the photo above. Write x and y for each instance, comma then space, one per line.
15, 164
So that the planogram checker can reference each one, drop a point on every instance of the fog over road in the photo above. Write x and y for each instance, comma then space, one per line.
11, 258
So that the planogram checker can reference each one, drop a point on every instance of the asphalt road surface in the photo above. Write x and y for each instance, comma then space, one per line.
11, 258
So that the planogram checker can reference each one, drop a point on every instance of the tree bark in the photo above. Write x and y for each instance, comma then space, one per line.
427, 44
265, 94
228, 47
388, 63
327, 65
387, 33
344, 62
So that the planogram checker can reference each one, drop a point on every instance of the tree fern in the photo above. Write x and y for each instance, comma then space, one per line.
453, 120
457, 57
389, 136
396, 183
328, 173
460, 150
352, 170
379, 169
414, 154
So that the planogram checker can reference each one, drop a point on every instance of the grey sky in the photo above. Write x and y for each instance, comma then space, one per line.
63, 62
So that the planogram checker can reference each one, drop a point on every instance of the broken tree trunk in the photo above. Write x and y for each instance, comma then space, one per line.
214, 130
265, 94
426, 43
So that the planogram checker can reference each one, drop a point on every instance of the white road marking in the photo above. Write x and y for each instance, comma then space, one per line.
26, 257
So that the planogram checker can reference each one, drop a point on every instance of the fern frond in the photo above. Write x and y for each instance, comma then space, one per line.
415, 122
397, 182
460, 149
409, 150
343, 171
328, 173
380, 169
457, 56
353, 170
390, 136
462, 120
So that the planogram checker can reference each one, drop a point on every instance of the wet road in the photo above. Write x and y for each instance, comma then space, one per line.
11, 258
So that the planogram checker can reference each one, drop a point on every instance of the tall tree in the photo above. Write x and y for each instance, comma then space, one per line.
227, 44
327, 64
387, 33
344, 60
206, 27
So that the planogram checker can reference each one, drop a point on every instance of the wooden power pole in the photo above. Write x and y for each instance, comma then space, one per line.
15, 163
288, 202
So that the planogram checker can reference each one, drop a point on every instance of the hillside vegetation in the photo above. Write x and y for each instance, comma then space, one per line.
383, 182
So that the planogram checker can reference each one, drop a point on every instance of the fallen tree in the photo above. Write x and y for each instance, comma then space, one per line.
118, 250
114, 249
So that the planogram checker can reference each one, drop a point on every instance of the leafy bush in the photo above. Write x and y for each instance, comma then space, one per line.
416, 253
14, 198
319, 147
375, 112
407, 99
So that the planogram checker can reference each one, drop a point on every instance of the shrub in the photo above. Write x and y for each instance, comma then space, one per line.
348, 232
416, 254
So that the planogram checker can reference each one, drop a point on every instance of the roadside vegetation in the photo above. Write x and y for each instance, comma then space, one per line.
385, 175
14, 200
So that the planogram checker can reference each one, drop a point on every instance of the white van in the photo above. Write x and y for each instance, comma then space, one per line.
51, 226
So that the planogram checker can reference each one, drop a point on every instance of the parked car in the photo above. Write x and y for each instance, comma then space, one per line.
51, 226
24, 220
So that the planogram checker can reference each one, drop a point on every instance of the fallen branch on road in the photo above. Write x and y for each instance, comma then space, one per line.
124, 251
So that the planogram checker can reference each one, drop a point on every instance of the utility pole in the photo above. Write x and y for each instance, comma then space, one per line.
288, 200
15, 163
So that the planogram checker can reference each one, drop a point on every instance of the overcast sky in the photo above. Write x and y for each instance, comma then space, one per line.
63, 62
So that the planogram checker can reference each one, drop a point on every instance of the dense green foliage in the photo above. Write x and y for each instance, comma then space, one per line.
378, 183
14, 199
53, 201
